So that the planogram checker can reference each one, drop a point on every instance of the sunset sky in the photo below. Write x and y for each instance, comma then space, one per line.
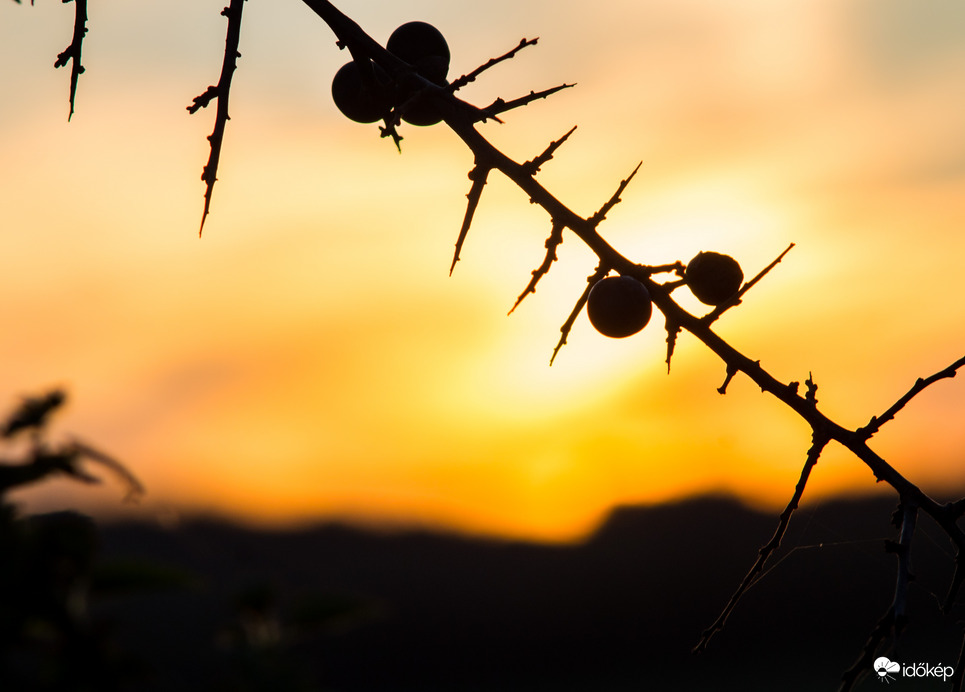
311, 358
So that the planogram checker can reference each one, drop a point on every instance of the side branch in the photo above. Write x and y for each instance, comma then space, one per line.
817, 446
615, 199
554, 240
73, 51
471, 77
500, 106
723, 307
210, 173
478, 176
534, 165
601, 271
877, 421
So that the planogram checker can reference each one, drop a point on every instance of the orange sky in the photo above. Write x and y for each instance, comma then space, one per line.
311, 357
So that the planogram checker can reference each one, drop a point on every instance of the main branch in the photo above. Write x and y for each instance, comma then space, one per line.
462, 118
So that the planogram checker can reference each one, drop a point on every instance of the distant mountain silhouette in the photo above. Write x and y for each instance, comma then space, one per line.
424, 611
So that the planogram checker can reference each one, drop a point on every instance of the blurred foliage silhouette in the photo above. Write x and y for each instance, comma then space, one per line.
51, 636
47, 639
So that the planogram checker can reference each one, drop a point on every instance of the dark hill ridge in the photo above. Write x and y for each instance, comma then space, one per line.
621, 611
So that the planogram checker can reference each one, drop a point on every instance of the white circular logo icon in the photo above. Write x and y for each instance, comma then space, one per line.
884, 667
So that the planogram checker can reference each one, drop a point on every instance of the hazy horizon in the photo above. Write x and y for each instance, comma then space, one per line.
311, 358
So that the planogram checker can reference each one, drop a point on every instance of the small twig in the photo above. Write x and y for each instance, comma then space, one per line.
677, 267
600, 272
232, 38
811, 395
478, 176
614, 200
877, 421
817, 446
728, 376
73, 51
471, 77
202, 101
534, 165
391, 122
673, 331
552, 242
719, 310
500, 106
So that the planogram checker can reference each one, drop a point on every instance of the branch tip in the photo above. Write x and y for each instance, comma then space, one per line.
601, 271
533, 166
478, 175
614, 200
500, 106
73, 52
457, 84
222, 92
552, 242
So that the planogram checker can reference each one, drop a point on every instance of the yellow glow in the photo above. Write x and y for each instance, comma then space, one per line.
310, 357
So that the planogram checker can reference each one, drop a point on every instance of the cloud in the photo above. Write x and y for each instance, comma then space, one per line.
904, 38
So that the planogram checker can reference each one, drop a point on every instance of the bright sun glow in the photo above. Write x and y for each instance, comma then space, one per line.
310, 357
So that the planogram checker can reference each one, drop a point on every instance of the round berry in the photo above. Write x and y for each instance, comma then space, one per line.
424, 47
355, 99
713, 278
420, 109
619, 306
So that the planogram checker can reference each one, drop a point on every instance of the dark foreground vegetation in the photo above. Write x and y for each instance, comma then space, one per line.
212, 606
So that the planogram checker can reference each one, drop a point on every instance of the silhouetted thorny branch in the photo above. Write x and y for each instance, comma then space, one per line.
500, 106
210, 173
598, 217
462, 119
471, 77
73, 52
877, 421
